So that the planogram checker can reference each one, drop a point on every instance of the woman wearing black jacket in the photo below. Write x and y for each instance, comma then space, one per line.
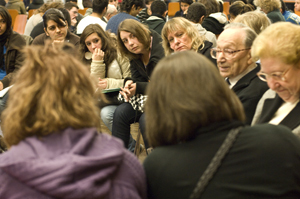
143, 47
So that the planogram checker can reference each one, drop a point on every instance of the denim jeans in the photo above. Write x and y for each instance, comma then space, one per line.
124, 116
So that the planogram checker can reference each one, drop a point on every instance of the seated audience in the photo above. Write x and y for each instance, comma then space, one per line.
280, 68
99, 50
235, 63
99, 10
184, 6
143, 48
17, 5
51, 127
271, 8
129, 10
145, 13
288, 15
214, 21
255, 20
37, 16
238, 8
35, 4
157, 19
10, 44
187, 124
196, 14
179, 34
56, 29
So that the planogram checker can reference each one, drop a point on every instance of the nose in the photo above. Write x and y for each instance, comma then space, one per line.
220, 57
176, 40
93, 45
130, 42
272, 83
57, 29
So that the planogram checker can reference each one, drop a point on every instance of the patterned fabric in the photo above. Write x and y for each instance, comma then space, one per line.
137, 101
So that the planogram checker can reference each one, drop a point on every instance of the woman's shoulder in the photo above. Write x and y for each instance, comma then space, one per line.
16, 40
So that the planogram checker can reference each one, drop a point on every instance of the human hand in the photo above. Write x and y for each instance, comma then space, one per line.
98, 55
73, 21
127, 83
102, 83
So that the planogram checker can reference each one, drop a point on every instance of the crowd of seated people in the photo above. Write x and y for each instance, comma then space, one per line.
216, 100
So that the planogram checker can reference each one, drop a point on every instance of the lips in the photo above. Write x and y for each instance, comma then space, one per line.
180, 48
134, 49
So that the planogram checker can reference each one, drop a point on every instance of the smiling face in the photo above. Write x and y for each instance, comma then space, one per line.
233, 39
2, 25
55, 31
132, 43
179, 41
289, 89
92, 42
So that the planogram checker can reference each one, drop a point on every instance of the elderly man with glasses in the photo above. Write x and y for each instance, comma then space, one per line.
233, 55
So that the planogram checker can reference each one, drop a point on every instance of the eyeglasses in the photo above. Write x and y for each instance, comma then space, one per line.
275, 75
229, 54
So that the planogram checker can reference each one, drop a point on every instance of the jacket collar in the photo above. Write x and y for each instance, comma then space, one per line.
246, 80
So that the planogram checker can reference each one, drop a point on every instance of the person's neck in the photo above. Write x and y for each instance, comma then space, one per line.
145, 56
94, 14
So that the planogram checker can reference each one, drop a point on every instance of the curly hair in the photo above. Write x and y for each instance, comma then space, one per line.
108, 43
268, 5
126, 5
49, 95
176, 24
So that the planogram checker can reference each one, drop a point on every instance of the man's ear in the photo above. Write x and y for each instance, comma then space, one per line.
46, 32
165, 14
201, 19
249, 58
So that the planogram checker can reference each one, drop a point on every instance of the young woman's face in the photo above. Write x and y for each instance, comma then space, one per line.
92, 42
132, 43
2, 25
55, 31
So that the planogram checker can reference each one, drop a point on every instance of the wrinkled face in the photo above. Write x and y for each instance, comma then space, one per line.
2, 25
238, 62
73, 13
55, 31
93, 41
113, 2
132, 43
297, 5
288, 89
184, 6
179, 41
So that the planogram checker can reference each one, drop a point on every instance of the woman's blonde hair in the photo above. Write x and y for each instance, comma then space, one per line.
51, 92
256, 20
180, 24
176, 110
268, 5
287, 45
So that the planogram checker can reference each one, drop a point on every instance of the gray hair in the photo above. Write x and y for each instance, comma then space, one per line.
250, 34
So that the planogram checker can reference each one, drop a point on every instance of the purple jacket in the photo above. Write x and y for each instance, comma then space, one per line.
71, 164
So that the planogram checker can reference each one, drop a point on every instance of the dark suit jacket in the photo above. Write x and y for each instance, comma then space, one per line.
250, 89
271, 105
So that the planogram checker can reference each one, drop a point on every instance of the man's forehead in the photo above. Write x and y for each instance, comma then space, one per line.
232, 36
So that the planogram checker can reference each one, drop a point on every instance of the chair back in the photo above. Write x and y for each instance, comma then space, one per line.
226, 9
20, 23
173, 7
13, 13
30, 12
82, 11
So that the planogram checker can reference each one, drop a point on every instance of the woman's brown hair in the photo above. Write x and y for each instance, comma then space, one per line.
140, 31
108, 43
186, 93
51, 92
47, 6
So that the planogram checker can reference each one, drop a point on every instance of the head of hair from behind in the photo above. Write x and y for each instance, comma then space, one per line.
158, 8
127, 5
238, 8
256, 20
268, 5
186, 110
99, 6
108, 44
212, 6
184, 26
49, 95
138, 30
47, 6
195, 12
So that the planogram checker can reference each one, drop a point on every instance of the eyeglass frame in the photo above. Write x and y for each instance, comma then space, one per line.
232, 52
280, 77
